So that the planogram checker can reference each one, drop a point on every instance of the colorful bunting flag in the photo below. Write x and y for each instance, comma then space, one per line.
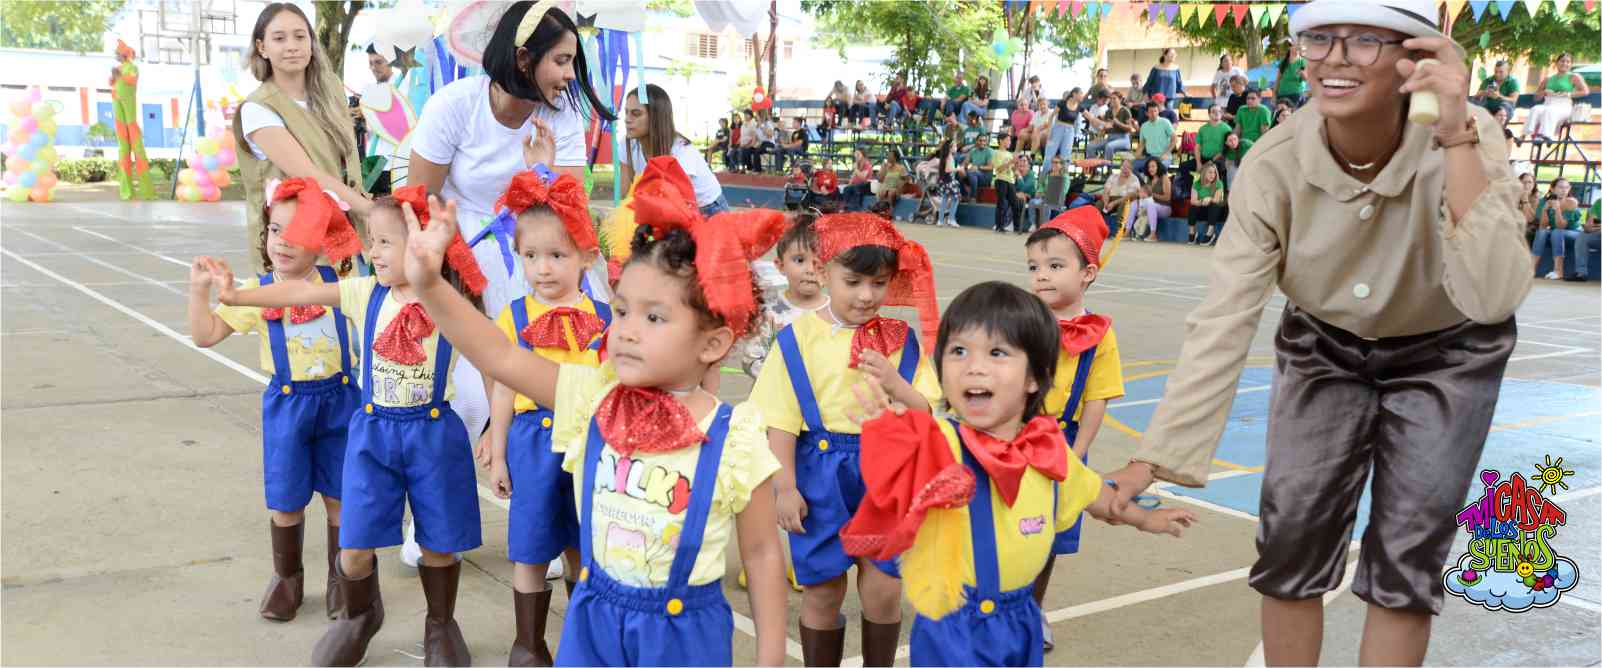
1170, 11
1076, 7
1454, 8
1219, 12
1560, 6
1477, 7
1274, 11
1187, 12
1256, 12
1106, 9
1504, 8
1533, 6
1153, 10
1240, 12
1292, 8
1590, 5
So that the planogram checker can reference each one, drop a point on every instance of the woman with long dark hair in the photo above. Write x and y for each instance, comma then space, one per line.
651, 134
1165, 79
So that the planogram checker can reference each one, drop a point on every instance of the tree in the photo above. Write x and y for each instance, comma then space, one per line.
1229, 38
75, 25
1538, 39
930, 39
1069, 38
334, 18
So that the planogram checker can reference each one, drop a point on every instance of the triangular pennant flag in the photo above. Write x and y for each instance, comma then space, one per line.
1240, 12
1590, 5
1533, 6
1274, 10
1477, 8
1187, 12
1170, 11
1454, 8
1063, 7
1256, 12
1504, 8
1075, 8
1292, 8
1106, 9
1559, 6
1219, 12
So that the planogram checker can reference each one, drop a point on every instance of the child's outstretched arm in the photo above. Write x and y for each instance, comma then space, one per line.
285, 294
476, 336
206, 329
1171, 521
763, 560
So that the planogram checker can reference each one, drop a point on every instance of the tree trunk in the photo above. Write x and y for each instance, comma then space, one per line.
1254, 46
756, 57
334, 19
773, 54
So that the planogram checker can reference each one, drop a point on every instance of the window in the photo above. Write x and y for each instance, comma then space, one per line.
750, 47
789, 49
701, 45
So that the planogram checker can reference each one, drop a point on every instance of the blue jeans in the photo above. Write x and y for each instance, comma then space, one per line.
1061, 142
952, 107
1582, 251
978, 179
946, 209
970, 107
717, 206
855, 195
1554, 239
1108, 147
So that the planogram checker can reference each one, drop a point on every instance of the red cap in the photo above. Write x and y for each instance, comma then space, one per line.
914, 282
1159, 98
1085, 227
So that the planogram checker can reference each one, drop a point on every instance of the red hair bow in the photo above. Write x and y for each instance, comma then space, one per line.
458, 255
565, 196
546, 331
725, 244
401, 341
319, 223
913, 284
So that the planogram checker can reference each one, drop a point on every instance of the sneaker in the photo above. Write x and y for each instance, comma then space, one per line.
1045, 632
1552, 276
410, 552
556, 570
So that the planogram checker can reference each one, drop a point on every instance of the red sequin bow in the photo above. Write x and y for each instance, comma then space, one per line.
1079, 334
649, 420
298, 315
909, 470
319, 223
458, 255
565, 196
546, 331
1040, 445
882, 335
401, 341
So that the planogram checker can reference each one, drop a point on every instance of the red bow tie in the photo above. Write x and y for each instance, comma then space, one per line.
546, 330
298, 315
1039, 445
1079, 334
644, 419
401, 341
882, 335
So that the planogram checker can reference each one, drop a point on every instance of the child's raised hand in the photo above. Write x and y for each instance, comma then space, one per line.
872, 402
223, 277
540, 145
426, 247
1171, 521
200, 274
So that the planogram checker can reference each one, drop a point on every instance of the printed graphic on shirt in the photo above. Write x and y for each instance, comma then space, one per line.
313, 346
639, 541
396, 384
1030, 526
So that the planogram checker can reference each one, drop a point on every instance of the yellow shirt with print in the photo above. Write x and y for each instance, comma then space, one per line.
313, 346
583, 354
640, 500
394, 385
1106, 380
1024, 530
825, 349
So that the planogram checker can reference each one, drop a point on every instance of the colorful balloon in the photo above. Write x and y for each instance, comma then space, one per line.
226, 156
186, 177
47, 181
43, 110
18, 193
194, 162
28, 152
221, 178
48, 154
209, 162
20, 108
20, 165
48, 126
188, 193
206, 146
202, 178
39, 194
213, 194
28, 124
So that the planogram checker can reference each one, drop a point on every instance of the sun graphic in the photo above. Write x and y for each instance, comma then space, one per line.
1551, 476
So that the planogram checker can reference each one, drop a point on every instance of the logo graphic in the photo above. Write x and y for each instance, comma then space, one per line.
1510, 564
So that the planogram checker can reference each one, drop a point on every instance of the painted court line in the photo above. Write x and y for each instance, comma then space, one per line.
745, 624
146, 251
1142, 402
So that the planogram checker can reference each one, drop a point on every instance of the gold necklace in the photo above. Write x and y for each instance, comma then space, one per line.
1349, 164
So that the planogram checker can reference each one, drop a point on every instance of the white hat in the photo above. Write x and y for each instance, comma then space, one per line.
1419, 18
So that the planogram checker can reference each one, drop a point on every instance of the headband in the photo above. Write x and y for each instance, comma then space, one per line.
531, 20
319, 223
913, 284
458, 255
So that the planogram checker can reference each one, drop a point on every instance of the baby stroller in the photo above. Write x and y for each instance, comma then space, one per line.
927, 179
798, 191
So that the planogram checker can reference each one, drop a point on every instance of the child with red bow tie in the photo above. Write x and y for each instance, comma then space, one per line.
867, 264
554, 242
664, 474
405, 442
970, 503
1064, 258
308, 401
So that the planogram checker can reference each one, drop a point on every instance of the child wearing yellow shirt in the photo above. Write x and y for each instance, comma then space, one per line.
970, 502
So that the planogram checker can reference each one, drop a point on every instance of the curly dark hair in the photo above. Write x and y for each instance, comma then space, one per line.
674, 254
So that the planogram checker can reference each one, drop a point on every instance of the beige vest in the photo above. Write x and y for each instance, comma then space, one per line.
315, 140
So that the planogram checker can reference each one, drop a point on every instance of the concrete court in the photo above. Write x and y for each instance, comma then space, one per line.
134, 529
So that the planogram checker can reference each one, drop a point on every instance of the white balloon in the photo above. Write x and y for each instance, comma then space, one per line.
406, 26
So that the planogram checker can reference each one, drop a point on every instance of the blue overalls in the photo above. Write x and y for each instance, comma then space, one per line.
828, 473
543, 520
304, 422
418, 454
1067, 542
994, 628
609, 623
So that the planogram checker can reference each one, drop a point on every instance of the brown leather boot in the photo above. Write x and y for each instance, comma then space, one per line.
332, 599
443, 644
288, 587
529, 648
345, 642
879, 643
822, 647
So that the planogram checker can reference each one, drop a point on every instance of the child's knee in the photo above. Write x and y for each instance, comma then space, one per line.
880, 593
827, 595
332, 506
436, 559
288, 519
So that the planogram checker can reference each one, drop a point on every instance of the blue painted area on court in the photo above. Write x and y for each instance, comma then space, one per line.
1533, 420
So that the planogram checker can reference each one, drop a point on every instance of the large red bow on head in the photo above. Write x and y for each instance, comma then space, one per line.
642, 419
565, 196
298, 315
913, 284
909, 470
401, 341
883, 335
1040, 445
1080, 333
458, 255
546, 331
319, 223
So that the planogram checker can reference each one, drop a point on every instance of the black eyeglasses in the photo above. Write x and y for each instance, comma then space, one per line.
1361, 49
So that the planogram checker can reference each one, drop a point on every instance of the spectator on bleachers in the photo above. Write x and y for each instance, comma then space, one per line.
956, 95
979, 103
1529, 201
1557, 219
951, 130
761, 135
858, 188
1136, 97
825, 192
1053, 187
1209, 144
1235, 149
837, 105
721, 144
1237, 98
1040, 123
972, 131
1066, 127
1252, 120
1207, 206
891, 178
793, 144
1121, 188
1026, 193
1021, 122
1005, 181
1030, 93
1501, 116
1557, 104
864, 106
1222, 79
1590, 236
1291, 85
1157, 137
1283, 114
1116, 127
979, 171
948, 188
1499, 90
744, 141
1166, 79
651, 135
901, 100
1153, 203
1099, 85
1164, 111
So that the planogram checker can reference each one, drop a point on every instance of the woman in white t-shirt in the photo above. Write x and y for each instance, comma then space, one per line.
651, 135
1221, 78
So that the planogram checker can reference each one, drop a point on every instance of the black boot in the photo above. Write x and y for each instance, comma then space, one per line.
879, 643
822, 647
332, 599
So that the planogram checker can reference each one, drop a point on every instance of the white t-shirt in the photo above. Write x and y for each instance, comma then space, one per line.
1221, 83
253, 117
707, 188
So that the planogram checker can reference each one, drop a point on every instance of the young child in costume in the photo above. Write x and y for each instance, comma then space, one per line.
969, 502
554, 241
406, 443
663, 472
1064, 258
309, 399
866, 264
796, 260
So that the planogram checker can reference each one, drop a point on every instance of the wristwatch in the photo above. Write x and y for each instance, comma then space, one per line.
1470, 134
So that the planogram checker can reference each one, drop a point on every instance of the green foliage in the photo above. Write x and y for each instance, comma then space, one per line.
679, 8
100, 132
1539, 39
930, 38
1069, 38
74, 25
334, 18
740, 95
86, 170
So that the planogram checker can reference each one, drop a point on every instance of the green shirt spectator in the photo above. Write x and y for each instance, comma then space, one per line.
1238, 153
981, 157
1205, 191
1156, 137
1596, 210
1507, 93
1252, 122
1550, 207
1210, 139
1291, 82
958, 91
1027, 183
1001, 164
